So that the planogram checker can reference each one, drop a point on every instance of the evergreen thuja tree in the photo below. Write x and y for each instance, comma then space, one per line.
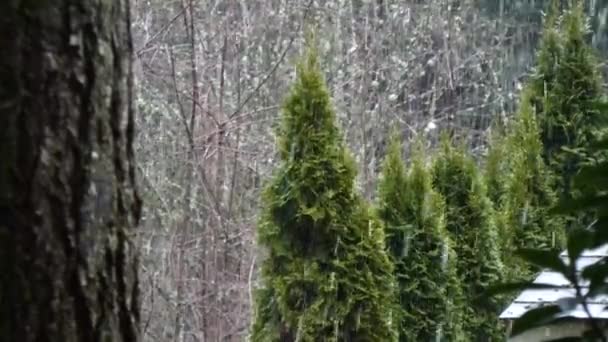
470, 223
413, 217
496, 172
325, 276
392, 198
530, 192
563, 91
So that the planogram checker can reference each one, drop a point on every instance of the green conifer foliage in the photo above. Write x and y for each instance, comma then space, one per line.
325, 276
496, 166
470, 223
564, 88
496, 176
530, 191
413, 215
392, 198
455, 314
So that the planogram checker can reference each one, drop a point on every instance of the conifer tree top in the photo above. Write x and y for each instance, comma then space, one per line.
326, 276
454, 172
314, 186
393, 173
308, 122
562, 93
392, 192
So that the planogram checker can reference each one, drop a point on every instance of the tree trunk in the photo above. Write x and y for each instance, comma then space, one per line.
68, 203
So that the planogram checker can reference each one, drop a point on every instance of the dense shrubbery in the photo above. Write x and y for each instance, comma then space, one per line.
414, 219
444, 232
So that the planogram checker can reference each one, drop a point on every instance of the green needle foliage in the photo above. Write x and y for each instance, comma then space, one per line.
470, 223
392, 198
593, 175
496, 171
496, 166
564, 90
455, 312
326, 276
413, 215
530, 192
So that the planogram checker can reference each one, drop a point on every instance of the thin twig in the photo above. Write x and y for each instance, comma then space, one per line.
275, 66
163, 29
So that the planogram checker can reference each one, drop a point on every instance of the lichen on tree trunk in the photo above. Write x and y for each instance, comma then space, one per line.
68, 200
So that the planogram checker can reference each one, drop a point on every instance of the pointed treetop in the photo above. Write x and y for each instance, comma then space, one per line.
308, 123
418, 151
318, 232
552, 17
420, 182
392, 191
525, 130
393, 168
393, 160
576, 24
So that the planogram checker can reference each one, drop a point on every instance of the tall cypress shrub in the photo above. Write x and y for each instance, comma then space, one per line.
530, 191
496, 173
563, 90
470, 223
413, 216
325, 275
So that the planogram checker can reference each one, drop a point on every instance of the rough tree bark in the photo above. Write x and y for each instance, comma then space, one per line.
68, 200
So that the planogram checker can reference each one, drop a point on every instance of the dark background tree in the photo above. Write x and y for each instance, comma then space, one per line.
68, 200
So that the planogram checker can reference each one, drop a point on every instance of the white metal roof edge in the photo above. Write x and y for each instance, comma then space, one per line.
534, 297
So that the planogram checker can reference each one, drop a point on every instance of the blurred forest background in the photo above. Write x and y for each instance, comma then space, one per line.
211, 79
